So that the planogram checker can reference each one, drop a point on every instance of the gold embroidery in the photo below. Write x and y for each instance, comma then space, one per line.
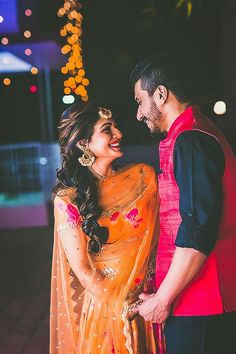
130, 202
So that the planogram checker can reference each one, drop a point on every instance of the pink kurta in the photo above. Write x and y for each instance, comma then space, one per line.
213, 290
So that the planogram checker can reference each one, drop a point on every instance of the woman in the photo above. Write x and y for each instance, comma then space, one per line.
104, 237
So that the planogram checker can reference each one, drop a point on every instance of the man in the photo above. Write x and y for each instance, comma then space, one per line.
196, 257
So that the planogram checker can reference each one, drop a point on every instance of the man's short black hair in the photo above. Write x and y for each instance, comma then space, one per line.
170, 69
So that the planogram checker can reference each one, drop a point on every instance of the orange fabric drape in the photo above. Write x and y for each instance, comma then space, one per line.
92, 318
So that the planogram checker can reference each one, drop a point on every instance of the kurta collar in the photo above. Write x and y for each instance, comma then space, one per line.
184, 120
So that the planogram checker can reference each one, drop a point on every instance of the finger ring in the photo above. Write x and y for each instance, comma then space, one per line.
138, 302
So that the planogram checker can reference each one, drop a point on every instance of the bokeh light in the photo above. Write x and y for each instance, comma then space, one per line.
68, 99
4, 41
27, 34
219, 107
1, 19
28, 51
7, 81
28, 12
33, 89
34, 70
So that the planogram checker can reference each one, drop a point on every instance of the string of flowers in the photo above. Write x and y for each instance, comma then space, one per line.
74, 68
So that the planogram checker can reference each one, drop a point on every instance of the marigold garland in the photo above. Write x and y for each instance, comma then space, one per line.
74, 68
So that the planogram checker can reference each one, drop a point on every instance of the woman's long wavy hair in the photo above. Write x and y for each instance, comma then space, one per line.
77, 124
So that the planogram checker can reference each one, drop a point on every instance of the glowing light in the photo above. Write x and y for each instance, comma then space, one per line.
61, 12
34, 70
43, 161
4, 41
28, 12
33, 88
78, 79
81, 72
11, 63
64, 70
67, 5
85, 98
219, 107
67, 91
27, 34
5, 60
1, 19
68, 99
6, 81
28, 51
80, 90
85, 82
66, 49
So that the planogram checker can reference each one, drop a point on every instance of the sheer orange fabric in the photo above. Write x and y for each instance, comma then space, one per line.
90, 294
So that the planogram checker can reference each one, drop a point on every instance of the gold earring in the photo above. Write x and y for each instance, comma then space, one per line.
87, 159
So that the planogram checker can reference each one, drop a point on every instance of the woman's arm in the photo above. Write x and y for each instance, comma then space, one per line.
74, 243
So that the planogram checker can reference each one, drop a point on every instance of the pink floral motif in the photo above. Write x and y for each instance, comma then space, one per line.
73, 214
114, 216
132, 217
138, 281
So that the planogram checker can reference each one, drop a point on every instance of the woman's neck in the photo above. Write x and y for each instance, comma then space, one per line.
102, 168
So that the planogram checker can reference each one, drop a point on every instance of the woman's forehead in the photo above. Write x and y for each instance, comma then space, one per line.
104, 121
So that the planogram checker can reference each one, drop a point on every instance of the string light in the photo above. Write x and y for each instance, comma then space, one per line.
219, 107
28, 51
6, 81
34, 70
33, 88
27, 34
4, 41
28, 12
74, 68
68, 99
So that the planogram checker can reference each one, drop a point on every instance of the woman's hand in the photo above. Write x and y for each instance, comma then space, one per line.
133, 309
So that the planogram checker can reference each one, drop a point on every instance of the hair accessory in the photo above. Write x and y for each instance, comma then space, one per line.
88, 158
104, 113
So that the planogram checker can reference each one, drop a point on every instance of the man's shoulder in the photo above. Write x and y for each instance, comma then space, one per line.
197, 138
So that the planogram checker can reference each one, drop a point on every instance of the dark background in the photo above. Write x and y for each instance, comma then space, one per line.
116, 35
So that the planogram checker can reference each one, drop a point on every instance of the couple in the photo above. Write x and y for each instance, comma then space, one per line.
111, 227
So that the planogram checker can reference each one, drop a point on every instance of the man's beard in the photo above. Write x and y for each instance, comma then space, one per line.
154, 116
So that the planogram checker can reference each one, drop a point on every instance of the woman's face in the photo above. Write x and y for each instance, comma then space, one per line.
106, 138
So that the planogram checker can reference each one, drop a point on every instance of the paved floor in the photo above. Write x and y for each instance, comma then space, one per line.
25, 262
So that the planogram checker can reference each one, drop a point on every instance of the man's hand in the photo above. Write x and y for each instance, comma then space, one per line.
153, 308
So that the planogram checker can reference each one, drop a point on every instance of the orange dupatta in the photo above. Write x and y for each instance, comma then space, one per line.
92, 318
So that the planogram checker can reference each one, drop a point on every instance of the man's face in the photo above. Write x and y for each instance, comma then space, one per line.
148, 111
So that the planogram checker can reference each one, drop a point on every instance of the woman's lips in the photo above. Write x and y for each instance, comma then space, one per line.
115, 146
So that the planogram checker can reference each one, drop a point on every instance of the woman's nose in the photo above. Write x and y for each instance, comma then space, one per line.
117, 134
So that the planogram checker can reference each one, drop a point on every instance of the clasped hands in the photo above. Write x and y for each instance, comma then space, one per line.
152, 307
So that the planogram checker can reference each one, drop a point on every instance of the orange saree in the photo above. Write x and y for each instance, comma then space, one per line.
89, 309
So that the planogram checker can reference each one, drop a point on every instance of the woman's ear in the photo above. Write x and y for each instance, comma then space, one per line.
82, 144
